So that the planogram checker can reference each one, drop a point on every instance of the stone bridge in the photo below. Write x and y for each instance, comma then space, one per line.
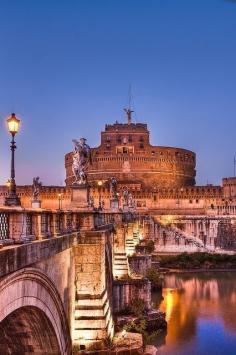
62, 278
64, 274
187, 233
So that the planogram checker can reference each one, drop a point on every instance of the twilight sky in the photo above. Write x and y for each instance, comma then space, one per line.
65, 69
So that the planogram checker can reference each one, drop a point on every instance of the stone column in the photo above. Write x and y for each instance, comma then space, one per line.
74, 222
39, 235
54, 225
65, 222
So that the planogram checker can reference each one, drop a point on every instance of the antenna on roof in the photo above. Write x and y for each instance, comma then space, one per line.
128, 110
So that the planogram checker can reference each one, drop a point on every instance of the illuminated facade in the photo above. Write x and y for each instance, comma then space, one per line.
125, 153
160, 179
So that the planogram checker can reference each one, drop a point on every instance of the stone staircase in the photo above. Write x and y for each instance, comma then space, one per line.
130, 246
131, 243
120, 265
92, 320
179, 241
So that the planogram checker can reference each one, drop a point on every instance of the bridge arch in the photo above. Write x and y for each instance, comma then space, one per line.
32, 315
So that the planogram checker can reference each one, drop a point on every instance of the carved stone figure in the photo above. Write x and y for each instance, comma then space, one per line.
113, 187
81, 160
125, 195
130, 200
36, 188
91, 201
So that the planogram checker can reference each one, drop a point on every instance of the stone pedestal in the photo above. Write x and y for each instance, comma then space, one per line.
80, 196
114, 204
12, 200
36, 204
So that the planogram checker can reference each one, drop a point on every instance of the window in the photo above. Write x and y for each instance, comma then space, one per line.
141, 203
141, 145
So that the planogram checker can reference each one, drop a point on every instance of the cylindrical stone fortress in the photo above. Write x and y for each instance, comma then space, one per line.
125, 152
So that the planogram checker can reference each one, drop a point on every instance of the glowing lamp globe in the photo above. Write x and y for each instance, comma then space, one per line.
13, 124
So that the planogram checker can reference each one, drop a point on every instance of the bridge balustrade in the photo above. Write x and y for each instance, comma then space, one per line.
21, 226
4, 225
29, 223
45, 220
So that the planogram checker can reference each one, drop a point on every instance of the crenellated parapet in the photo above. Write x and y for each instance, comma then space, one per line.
125, 153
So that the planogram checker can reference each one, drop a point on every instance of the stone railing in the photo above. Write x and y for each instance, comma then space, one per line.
19, 226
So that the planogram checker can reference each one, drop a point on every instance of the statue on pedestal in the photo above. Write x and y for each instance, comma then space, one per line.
126, 195
130, 200
36, 203
36, 188
81, 160
91, 202
113, 188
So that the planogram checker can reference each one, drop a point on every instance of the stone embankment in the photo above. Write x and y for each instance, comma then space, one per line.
154, 319
124, 343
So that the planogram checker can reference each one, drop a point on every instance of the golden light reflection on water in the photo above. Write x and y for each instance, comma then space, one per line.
168, 303
188, 297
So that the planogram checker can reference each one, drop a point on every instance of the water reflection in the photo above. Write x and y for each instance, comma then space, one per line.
201, 314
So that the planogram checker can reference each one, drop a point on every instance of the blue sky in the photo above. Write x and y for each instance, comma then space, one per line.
65, 69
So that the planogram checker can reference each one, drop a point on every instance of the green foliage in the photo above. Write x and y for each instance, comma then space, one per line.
150, 247
137, 307
199, 260
141, 328
136, 327
153, 276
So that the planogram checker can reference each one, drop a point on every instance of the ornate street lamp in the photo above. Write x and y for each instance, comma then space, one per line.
100, 183
12, 199
60, 201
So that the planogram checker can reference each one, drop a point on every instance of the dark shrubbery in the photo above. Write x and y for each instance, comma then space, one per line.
137, 307
199, 261
153, 276
150, 247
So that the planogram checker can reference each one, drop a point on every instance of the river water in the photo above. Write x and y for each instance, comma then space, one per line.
201, 314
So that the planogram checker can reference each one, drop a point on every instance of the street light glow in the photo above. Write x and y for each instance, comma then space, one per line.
13, 124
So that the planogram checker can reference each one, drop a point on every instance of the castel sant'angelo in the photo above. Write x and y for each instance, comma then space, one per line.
160, 179
125, 153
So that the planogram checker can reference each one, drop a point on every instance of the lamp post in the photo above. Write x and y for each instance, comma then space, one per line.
59, 201
12, 199
100, 183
